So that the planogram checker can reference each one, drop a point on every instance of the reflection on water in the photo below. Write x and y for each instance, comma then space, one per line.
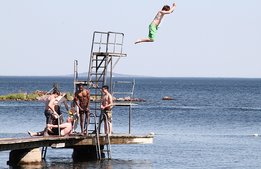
104, 164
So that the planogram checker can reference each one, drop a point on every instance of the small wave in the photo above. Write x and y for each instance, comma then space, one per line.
13, 135
245, 108
210, 135
172, 107
189, 107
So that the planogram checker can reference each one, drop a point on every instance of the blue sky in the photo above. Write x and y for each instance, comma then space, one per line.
201, 38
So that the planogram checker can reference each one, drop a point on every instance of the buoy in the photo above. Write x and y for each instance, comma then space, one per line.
167, 98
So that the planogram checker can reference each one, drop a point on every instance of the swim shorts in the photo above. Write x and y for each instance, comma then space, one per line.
152, 31
109, 115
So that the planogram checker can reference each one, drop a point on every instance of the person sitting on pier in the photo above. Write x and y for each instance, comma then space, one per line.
65, 129
82, 100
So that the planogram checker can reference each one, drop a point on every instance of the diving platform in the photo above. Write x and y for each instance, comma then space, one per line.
110, 54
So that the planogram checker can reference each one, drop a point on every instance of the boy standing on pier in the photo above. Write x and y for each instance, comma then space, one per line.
82, 100
106, 110
50, 112
153, 27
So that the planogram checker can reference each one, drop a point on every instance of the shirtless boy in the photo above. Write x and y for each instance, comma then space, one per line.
106, 106
153, 27
82, 100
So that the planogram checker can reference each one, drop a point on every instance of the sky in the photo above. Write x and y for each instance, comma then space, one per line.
202, 38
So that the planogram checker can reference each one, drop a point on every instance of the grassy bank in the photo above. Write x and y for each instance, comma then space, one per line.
19, 96
37, 95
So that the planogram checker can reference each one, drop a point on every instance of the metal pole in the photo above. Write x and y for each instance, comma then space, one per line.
75, 74
130, 119
59, 125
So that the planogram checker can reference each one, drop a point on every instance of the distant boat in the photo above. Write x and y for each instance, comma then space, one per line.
167, 98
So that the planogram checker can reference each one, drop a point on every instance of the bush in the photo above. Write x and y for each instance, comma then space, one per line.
16, 96
32, 96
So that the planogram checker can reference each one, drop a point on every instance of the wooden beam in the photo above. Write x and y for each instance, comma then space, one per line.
71, 141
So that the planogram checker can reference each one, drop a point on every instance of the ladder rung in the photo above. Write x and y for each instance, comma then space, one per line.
98, 61
96, 73
99, 67
98, 58
97, 55
81, 82
96, 83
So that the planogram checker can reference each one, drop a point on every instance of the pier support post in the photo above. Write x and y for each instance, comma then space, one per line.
85, 153
25, 156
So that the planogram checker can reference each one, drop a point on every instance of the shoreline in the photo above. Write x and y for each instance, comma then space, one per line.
42, 96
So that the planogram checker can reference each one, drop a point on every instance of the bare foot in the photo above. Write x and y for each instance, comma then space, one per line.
30, 133
138, 41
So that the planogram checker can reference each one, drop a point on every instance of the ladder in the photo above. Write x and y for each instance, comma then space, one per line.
106, 51
106, 46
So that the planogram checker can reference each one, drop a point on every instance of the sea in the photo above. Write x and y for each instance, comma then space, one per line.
211, 123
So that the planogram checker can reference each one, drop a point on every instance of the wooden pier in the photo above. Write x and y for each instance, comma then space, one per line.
71, 141
83, 146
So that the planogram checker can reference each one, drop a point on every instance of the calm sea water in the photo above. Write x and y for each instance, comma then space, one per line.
210, 124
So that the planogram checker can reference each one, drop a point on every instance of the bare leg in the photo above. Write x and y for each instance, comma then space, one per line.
107, 127
41, 133
82, 121
66, 128
32, 133
110, 127
87, 122
144, 40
